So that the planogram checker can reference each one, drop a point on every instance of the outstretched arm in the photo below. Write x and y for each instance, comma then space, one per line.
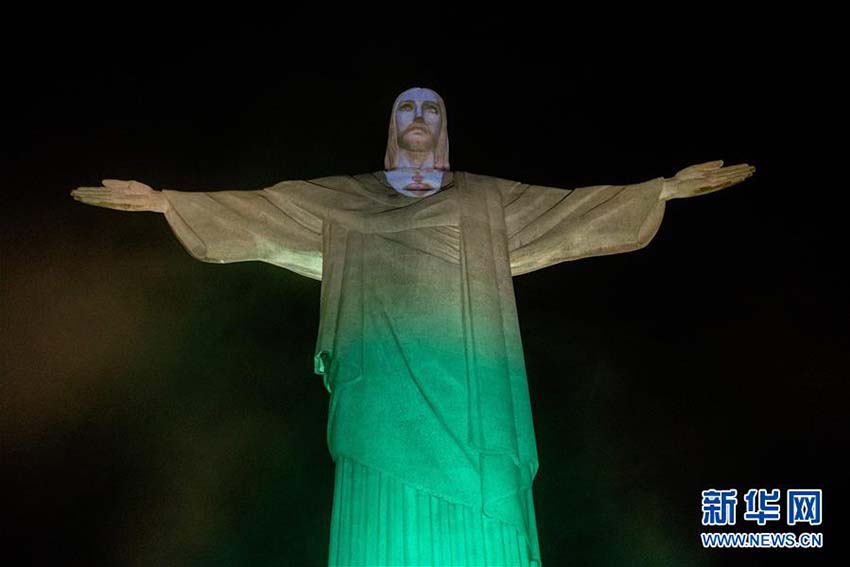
229, 226
547, 225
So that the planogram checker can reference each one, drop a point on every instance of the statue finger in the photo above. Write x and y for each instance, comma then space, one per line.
139, 187
739, 166
737, 176
741, 169
730, 172
108, 198
711, 165
116, 205
98, 193
116, 183
732, 168
89, 191
722, 178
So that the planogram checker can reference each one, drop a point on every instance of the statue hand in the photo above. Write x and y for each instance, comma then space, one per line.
122, 195
704, 178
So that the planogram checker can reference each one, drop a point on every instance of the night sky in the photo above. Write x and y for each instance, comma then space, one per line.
157, 410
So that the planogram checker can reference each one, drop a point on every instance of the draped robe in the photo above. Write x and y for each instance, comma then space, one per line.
419, 344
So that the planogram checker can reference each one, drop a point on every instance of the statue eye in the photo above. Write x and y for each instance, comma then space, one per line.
406, 107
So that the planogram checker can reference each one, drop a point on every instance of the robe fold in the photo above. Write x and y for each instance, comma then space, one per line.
419, 344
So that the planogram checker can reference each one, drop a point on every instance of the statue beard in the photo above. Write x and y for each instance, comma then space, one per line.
417, 144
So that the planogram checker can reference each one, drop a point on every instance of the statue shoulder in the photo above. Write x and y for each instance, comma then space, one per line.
482, 177
338, 181
327, 186
488, 180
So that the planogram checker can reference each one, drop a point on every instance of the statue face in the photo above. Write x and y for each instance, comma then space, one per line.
418, 120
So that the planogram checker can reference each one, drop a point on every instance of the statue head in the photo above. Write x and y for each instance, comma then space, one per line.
418, 135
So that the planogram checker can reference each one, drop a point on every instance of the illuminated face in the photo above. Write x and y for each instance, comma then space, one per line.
418, 120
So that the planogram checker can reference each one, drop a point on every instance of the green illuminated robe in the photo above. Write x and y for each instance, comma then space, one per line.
419, 347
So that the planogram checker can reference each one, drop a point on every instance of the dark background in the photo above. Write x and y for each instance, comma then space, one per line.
157, 410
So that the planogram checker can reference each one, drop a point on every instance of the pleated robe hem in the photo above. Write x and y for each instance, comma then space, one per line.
379, 520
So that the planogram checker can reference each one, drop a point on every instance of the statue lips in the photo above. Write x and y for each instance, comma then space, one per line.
417, 128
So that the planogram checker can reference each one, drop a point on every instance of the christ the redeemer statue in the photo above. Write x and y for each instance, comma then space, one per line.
429, 421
